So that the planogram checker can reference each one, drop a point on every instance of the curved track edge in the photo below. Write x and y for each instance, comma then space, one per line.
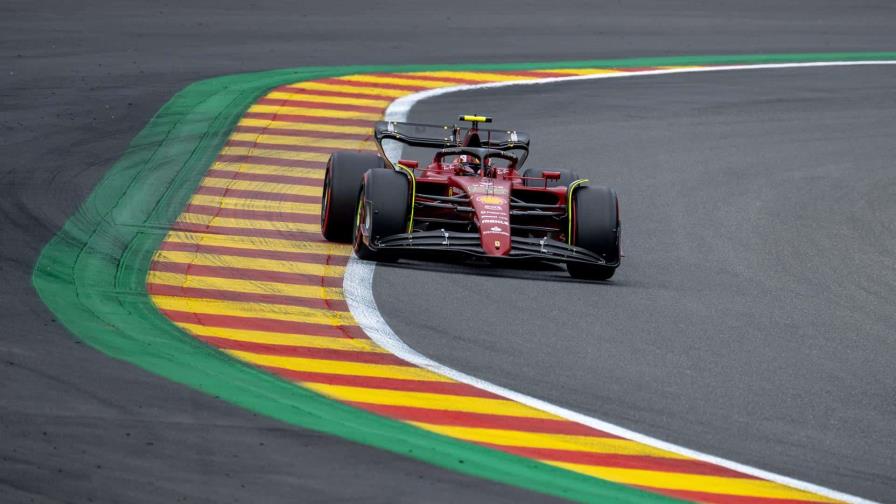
92, 275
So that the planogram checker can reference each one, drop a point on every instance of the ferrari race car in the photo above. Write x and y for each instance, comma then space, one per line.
473, 198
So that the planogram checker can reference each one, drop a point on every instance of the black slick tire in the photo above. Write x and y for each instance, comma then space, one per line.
342, 183
596, 228
382, 211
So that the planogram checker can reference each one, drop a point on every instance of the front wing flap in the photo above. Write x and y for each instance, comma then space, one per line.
537, 249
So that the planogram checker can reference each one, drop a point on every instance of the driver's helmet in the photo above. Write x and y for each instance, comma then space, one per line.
468, 163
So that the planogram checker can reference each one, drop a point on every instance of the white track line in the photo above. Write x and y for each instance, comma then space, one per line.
358, 290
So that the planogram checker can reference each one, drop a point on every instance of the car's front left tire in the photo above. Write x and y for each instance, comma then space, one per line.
342, 181
382, 210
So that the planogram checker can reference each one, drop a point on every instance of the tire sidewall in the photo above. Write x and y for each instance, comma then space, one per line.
342, 183
382, 210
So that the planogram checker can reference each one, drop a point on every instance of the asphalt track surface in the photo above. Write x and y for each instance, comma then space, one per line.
79, 80
753, 315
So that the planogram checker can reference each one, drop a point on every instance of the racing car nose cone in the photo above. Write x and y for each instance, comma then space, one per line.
491, 202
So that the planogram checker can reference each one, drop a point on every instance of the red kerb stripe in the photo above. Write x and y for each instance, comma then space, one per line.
452, 388
258, 253
688, 466
482, 420
259, 215
278, 102
264, 324
305, 352
397, 87
246, 297
713, 498
270, 161
258, 233
245, 274
264, 177
334, 121
262, 130
261, 195
289, 148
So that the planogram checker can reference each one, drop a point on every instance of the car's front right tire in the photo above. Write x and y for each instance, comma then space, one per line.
596, 228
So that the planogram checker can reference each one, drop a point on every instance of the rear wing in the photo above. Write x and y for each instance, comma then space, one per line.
442, 137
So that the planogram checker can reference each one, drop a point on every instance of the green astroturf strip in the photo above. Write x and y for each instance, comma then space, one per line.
92, 274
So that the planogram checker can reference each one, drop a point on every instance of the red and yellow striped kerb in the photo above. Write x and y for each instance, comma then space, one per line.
245, 269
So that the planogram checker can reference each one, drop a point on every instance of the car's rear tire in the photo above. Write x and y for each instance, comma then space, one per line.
566, 178
382, 210
596, 228
342, 182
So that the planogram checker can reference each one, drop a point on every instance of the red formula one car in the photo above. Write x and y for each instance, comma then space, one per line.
472, 198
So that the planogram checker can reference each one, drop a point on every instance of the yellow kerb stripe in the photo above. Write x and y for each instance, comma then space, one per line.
244, 309
211, 220
259, 243
271, 187
400, 81
305, 126
275, 153
478, 76
272, 338
229, 261
428, 400
250, 286
334, 143
586, 71
317, 173
316, 112
348, 87
341, 100
697, 482
591, 444
255, 204
339, 367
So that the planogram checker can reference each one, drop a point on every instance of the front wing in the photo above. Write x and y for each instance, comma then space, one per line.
534, 249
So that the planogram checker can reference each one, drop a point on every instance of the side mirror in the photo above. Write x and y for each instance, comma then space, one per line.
410, 163
550, 175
